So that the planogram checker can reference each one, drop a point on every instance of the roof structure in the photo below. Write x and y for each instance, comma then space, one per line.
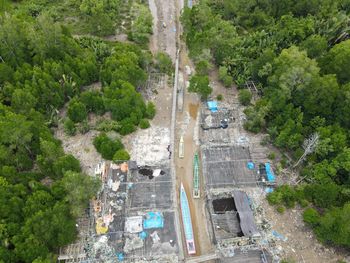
245, 213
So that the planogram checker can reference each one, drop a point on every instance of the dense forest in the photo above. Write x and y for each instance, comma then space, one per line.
298, 52
45, 68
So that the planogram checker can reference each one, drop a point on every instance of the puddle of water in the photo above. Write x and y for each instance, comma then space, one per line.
193, 109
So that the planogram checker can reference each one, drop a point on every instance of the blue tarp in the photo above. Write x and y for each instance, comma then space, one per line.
143, 235
268, 190
120, 256
250, 165
153, 220
279, 236
269, 173
213, 106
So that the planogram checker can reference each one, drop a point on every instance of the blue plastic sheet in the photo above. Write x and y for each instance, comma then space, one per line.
153, 220
250, 165
143, 235
279, 236
120, 256
213, 106
268, 190
269, 173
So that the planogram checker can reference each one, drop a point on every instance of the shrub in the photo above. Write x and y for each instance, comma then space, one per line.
311, 217
106, 146
77, 111
107, 125
225, 77
164, 63
150, 110
272, 156
200, 85
69, 127
144, 124
219, 97
244, 97
120, 156
274, 198
83, 127
281, 209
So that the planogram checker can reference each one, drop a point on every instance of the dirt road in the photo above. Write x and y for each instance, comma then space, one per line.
164, 27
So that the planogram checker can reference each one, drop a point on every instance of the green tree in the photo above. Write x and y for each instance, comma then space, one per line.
337, 61
141, 26
106, 146
244, 97
200, 85
164, 63
311, 217
225, 77
80, 188
77, 111
144, 124
121, 155
69, 127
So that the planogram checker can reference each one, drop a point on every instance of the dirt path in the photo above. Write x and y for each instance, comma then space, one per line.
186, 127
164, 27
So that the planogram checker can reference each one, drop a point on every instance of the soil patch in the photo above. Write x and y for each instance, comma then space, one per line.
193, 110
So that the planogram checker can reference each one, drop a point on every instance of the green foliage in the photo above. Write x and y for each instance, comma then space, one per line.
281, 209
332, 227
127, 127
69, 127
106, 146
150, 110
141, 27
337, 61
83, 127
76, 111
93, 101
219, 97
244, 97
200, 85
144, 124
271, 156
107, 125
42, 67
80, 188
120, 156
225, 77
286, 195
164, 63
311, 217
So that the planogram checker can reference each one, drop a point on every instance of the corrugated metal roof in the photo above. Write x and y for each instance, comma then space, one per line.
245, 213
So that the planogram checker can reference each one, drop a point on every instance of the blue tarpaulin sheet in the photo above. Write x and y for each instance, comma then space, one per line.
268, 190
213, 106
153, 220
250, 165
143, 235
120, 256
269, 173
